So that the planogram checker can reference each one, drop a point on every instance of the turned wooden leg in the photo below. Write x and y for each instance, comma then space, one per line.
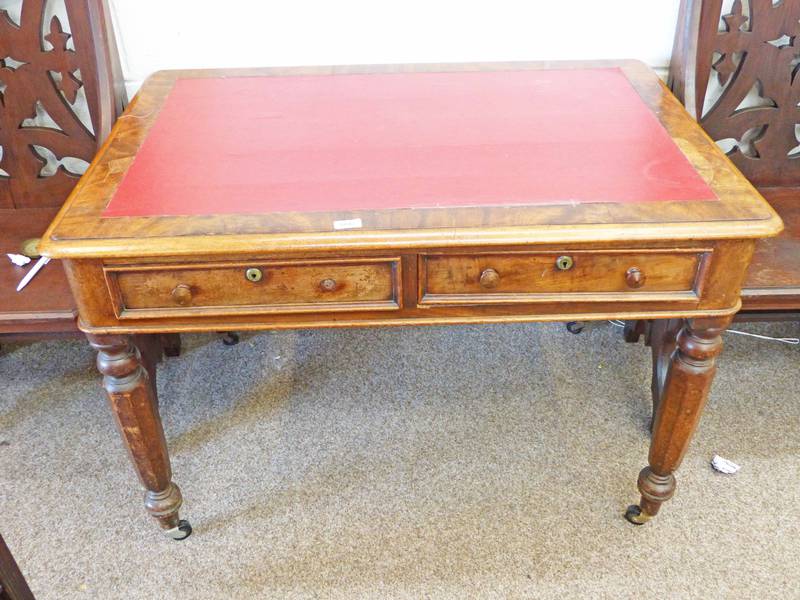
128, 368
151, 352
634, 330
682, 398
662, 337
171, 342
12, 584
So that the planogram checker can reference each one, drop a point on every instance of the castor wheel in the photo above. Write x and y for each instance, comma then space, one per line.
635, 515
230, 338
181, 532
575, 327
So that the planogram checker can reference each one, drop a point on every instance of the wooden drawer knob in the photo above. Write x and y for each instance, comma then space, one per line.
490, 278
634, 278
327, 285
182, 295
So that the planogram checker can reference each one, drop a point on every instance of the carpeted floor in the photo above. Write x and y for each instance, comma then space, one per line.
462, 462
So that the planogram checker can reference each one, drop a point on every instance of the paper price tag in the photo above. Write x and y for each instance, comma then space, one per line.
723, 465
19, 259
348, 224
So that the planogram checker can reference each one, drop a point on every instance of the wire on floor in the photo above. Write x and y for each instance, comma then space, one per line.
783, 340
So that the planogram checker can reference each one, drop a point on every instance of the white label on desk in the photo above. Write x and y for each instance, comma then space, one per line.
348, 224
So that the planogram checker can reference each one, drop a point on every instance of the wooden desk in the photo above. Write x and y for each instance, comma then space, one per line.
405, 195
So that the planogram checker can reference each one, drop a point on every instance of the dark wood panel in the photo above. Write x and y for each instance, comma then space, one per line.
62, 90
744, 52
773, 280
47, 297
746, 58
56, 84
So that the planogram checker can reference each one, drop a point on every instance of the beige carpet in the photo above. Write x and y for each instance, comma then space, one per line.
471, 462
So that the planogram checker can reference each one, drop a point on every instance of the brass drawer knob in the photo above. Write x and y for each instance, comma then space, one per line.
564, 263
634, 277
327, 285
490, 278
182, 295
253, 275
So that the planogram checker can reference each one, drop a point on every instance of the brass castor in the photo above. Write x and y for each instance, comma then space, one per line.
230, 338
576, 327
635, 515
181, 532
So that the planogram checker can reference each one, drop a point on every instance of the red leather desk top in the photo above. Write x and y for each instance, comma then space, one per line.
415, 140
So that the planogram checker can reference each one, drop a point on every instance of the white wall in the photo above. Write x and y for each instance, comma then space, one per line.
159, 34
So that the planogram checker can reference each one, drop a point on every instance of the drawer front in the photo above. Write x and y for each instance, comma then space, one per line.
555, 276
152, 291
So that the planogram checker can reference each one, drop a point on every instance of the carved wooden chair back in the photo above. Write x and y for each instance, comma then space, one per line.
60, 92
735, 66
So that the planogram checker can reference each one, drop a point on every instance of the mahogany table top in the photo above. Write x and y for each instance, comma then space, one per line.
434, 154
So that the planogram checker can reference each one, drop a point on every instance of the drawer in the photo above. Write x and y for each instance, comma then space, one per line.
153, 291
623, 275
